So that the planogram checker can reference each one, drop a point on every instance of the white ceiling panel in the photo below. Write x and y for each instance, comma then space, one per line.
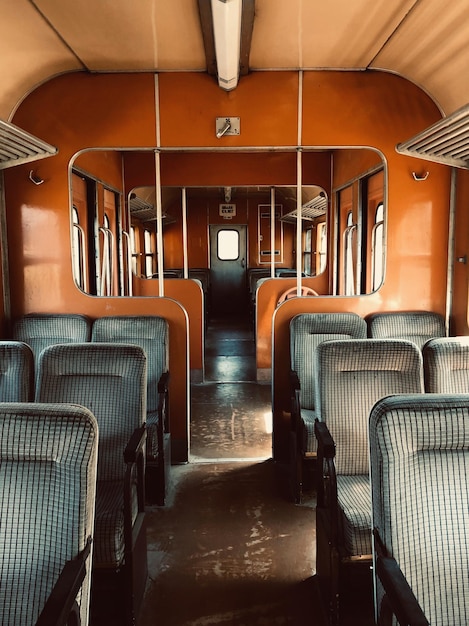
112, 35
30, 52
335, 34
438, 59
426, 41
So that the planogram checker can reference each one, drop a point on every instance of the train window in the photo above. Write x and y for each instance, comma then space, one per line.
228, 245
134, 249
315, 249
378, 247
149, 253
349, 254
307, 250
321, 247
78, 250
107, 258
340, 235
358, 231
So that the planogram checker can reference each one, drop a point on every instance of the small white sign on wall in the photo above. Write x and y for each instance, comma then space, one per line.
227, 210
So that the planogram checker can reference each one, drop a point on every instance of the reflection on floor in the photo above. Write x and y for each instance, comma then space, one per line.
230, 351
231, 421
229, 552
231, 416
229, 549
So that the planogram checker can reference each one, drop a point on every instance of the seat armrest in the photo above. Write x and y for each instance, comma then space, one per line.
325, 440
163, 392
399, 599
295, 409
326, 479
135, 444
163, 382
61, 602
134, 481
294, 381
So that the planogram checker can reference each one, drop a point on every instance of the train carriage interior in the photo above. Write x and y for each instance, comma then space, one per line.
236, 186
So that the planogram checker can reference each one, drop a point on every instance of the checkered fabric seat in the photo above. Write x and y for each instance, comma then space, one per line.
109, 379
351, 375
48, 456
16, 372
419, 459
446, 365
416, 326
307, 331
152, 334
40, 330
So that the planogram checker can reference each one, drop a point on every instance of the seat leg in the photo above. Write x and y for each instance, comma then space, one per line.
296, 469
327, 568
137, 571
157, 476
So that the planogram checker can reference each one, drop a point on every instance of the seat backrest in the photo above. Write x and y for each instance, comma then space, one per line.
110, 380
40, 330
419, 458
254, 277
416, 326
16, 372
351, 375
446, 365
151, 333
307, 331
202, 274
47, 501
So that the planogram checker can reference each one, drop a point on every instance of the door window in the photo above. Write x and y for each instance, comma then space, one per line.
228, 245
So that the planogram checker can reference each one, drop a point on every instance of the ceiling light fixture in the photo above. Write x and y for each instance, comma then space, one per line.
226, 16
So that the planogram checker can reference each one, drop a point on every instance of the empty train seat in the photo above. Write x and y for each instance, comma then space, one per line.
40, 330
151, 333
351, 375
446, 365
110, 380
419, 463
48, 456
16, 372
416, 326
307, 331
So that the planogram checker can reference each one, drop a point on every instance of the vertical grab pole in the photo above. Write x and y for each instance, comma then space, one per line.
159, 225
272, 232
299, 204
129, 263
159, 209
451, 236
184, 233
299, 185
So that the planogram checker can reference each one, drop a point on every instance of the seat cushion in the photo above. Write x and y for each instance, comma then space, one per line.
354, 497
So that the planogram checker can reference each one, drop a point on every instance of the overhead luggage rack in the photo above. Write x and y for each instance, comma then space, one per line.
446, 141
309, 211
17, 146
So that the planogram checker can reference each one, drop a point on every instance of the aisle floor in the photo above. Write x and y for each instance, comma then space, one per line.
229, 548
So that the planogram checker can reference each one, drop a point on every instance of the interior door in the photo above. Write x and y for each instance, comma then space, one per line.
228, 268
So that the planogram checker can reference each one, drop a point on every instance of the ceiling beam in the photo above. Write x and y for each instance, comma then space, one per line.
205, 12
247, 24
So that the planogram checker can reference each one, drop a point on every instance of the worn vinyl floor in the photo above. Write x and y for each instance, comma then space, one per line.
229, 549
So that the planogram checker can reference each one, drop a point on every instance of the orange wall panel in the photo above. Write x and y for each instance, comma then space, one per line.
265, 102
